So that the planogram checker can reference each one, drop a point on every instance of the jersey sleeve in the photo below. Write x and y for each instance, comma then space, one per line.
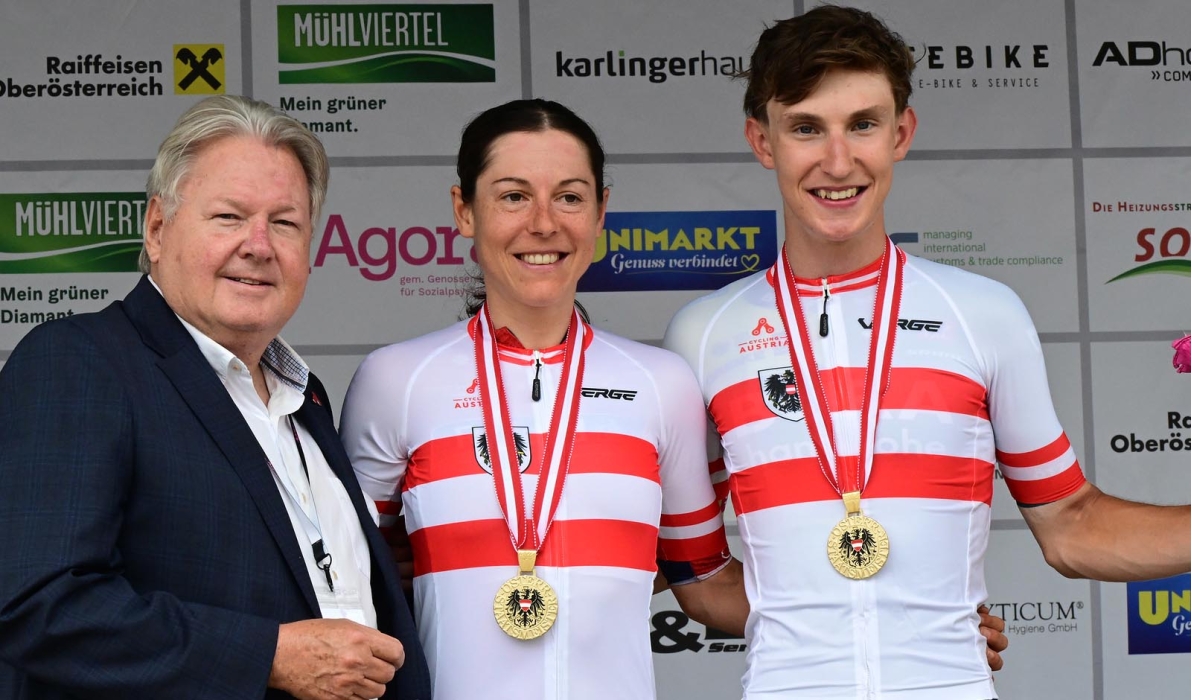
1037, 461
691, 540
373, 430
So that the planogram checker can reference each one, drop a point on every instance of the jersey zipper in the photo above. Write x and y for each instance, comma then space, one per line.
536, 386
823, 324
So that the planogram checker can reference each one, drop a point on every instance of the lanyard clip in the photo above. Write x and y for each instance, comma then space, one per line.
323, 562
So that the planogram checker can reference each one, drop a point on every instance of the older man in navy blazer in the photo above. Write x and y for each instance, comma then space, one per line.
179, 517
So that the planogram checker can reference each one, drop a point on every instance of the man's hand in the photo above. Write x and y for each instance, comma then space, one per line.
334, 660
992, 627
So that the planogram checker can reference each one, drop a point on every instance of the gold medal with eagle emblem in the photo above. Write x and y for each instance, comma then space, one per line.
858, 546
526, 606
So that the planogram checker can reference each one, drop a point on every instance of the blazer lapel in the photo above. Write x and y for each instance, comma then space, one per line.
200, 388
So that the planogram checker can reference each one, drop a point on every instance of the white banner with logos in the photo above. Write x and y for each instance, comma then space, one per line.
1052, 155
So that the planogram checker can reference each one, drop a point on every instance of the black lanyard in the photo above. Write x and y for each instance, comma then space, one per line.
322, 556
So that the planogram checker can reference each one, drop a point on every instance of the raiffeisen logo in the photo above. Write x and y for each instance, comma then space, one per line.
1157, 614
385, 44
1160, 253
640, 251
77, 232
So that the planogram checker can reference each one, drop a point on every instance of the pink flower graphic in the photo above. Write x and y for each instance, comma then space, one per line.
1182, 362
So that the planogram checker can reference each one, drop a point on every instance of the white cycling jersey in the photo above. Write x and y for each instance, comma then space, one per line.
636, 496
968, 389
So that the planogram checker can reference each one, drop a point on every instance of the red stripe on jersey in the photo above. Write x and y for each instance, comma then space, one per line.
693, 549
914, 388
1048, 490
695, 517
917, 475
477, 543
454, 456
1034, 458
900, 475
388, 507
778, 484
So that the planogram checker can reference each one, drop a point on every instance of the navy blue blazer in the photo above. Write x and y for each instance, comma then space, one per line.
147, 552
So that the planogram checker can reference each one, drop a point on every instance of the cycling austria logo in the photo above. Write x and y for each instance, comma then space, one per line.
521, 444
779, 392
385, 44
70, 232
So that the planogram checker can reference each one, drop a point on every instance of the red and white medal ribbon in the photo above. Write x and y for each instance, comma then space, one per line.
877, 371
527, 529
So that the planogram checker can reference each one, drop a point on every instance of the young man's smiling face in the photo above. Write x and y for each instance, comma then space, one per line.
834, 155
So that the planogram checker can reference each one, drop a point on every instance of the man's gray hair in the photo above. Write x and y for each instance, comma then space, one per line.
224, 116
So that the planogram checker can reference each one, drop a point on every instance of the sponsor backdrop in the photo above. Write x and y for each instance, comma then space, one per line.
1053, 155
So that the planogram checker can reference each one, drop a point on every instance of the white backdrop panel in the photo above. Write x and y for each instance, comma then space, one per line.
986, 71
1138, 95
43, 40
1149, 235
669, 90
387, 261
395, 118
1048, 620
22, 294
1142, 422
1006, 219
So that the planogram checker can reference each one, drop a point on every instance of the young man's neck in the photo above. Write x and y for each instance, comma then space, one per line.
817, 259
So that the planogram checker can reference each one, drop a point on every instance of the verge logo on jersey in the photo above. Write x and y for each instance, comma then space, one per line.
780, 392
909, 324
619, 394
521, 443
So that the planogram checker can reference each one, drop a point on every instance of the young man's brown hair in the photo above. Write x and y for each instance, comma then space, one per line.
793, 55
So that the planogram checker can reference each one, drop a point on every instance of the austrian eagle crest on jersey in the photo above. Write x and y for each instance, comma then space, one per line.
780, 393
521, 444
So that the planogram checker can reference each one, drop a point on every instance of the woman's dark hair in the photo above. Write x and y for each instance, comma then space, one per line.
475, 150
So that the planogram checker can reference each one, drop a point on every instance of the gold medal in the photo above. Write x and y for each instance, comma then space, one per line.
526, 606
858, 546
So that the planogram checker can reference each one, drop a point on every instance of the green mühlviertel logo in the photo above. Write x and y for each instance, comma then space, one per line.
78, 232
385, 44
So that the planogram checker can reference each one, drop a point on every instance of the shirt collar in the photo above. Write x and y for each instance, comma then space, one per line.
279, 358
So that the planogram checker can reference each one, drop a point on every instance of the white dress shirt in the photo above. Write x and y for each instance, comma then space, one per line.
322, 497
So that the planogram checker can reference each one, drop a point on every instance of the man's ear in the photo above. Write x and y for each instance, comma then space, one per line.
757, 134
904, 132
155, 221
